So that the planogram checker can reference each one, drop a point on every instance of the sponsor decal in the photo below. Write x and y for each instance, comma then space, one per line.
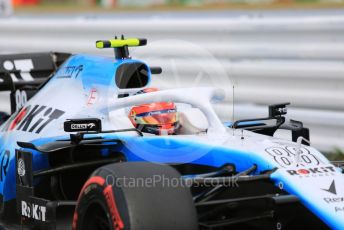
152, 113
332, 188
83, 126
34, 118
70, 71
21, 68
334, 200
285, 156
33, 211
91, 125
5, 160
17, 119
92, 99
21, 167
312, 172
21, 99
339, 209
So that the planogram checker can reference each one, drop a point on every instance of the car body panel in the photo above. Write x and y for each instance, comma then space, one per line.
84, 87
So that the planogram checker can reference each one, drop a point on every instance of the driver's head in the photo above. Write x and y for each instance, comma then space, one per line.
160, 118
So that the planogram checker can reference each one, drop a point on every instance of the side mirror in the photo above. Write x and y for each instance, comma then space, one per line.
278, 110
86, 125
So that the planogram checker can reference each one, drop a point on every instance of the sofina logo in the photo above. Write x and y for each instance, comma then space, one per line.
334, 200
332, 188
21, 167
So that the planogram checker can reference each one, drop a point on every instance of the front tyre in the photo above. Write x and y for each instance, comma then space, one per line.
93, 209
125, 196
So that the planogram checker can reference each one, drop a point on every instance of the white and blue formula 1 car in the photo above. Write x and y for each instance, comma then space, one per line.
71, 158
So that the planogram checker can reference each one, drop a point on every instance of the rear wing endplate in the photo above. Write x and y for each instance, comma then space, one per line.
22, 74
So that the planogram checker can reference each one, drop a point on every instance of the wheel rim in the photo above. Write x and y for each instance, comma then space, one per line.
96, 218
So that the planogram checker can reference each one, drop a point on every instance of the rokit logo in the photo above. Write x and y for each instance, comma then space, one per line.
33, 211
313, 172
35, 118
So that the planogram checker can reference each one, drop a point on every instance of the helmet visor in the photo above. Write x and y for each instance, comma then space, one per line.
159, 117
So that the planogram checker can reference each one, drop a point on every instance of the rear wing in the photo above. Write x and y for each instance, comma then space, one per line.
22, 74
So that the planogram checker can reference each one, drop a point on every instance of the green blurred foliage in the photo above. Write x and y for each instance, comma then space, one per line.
336, 155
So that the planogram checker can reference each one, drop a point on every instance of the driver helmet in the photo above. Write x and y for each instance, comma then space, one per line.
159, 118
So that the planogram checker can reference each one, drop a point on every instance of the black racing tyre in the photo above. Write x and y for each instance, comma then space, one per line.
135, 196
